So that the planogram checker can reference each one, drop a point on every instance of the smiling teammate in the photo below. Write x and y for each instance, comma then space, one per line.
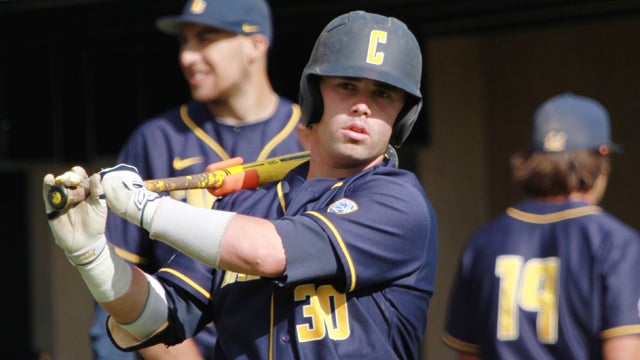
337, 260
234, 111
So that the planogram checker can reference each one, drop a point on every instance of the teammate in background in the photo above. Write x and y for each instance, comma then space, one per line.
555, 276
234, 111
337, 260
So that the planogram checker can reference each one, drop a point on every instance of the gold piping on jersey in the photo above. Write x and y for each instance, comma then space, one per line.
620, 331
335, 232
271, 325
553, 217
291, 125
131, 257
460, 345
188, 281
281, 198
184, 114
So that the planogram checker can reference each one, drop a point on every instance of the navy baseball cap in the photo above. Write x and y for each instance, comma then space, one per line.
568, 122
238, 16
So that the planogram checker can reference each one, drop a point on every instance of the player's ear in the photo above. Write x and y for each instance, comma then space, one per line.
259, 46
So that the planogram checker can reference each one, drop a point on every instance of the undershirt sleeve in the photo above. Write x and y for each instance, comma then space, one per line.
310, 255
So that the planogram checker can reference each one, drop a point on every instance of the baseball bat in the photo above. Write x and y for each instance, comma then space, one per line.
251, 176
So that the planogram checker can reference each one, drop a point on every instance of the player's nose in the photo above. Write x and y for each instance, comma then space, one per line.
361, 108
188, 57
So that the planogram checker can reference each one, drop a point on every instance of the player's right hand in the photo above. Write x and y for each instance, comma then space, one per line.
78, 230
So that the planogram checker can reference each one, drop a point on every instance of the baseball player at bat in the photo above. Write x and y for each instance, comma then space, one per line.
555, 276
335, 261
234, 112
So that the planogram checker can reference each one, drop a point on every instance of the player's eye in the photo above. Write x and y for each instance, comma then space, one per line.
346, 85
382, 93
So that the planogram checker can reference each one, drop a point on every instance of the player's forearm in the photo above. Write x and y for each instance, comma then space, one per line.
220, 239
135, 300
140, 312
128, 307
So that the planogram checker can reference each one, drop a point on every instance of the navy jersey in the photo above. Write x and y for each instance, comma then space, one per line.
381, 232
184, 141
546, 281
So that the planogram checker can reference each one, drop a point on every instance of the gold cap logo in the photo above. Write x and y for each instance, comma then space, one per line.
555, 141
198, 6
248, 28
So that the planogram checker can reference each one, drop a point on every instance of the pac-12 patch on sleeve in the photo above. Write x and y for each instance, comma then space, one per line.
343, 206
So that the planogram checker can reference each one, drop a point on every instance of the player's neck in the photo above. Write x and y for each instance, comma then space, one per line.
250, 101
247, 106
320, 167
575, 196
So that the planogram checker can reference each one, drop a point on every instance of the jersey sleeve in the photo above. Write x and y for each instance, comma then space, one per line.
460, 328
620, 267
312, 258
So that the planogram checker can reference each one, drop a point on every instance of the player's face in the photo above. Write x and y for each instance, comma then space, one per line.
214, 62
357, 121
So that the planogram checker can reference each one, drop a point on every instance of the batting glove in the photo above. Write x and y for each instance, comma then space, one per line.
78, 230
127, 195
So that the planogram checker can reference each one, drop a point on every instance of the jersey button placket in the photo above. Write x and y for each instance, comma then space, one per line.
285, 338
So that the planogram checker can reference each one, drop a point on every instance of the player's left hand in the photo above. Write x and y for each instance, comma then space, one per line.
230, 183
127, 195
78, 230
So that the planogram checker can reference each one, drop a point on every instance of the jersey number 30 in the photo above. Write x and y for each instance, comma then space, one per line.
530, 286
326, 309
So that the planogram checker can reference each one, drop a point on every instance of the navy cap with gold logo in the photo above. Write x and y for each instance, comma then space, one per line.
568, 122
238, 16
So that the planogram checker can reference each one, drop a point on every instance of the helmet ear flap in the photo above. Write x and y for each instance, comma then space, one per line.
405, 121
310, 100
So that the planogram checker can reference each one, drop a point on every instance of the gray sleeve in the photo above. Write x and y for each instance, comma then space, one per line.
309, 252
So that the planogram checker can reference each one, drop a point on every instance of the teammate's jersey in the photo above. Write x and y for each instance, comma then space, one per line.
546, 281
379, 227
184, 141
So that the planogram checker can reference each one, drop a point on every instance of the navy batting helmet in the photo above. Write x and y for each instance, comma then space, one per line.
365, 45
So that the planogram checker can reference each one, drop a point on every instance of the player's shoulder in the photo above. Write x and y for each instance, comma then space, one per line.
171, 120
287, 110
612, 224
389, 183
285, 101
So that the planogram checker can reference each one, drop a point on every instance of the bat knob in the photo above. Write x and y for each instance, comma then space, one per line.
57, 197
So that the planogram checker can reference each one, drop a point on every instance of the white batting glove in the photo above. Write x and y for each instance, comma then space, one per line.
127, 196
79, 230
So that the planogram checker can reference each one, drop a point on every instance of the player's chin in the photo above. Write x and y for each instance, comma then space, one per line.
358, 153
204, 94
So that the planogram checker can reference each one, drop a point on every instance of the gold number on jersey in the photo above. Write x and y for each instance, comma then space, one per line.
531, 286
326, 309
373, 55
